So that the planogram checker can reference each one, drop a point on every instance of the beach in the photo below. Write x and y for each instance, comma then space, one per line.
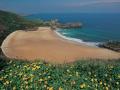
46, 45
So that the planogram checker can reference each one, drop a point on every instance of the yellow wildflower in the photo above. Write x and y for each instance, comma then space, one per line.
6, 83
33, 69
20, 74
105, 84
26, 82
96, 85
60, 88
68, 70
100, 82
1, 78
27, 87
17, 66
10, 62
95, 80
50, 88
24, 78
25, 75
88, 85
106, 88
73, 82
44, 73
31, 75
10, 74
117, 83
92, 80
46, 82
77, 74
14, 88
70, 75
108, 85
50, 65
118, 75
25, 66
49, 77
110, 79
82, 85
45, 86
41, 80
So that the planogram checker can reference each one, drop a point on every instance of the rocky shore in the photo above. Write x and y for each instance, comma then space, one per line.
112, 45
55, 24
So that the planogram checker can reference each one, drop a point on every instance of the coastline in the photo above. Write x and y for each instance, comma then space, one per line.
75, 40
45, 44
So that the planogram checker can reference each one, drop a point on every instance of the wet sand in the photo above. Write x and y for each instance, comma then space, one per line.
45, 44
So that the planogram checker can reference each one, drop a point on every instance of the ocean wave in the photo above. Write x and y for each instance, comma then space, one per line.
95, 44
64, 33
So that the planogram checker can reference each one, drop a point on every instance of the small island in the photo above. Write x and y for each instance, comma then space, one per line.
56, 24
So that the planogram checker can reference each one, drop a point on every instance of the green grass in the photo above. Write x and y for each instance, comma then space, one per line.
84, 74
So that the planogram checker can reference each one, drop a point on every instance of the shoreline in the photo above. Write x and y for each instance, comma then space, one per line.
45, 44
75, 40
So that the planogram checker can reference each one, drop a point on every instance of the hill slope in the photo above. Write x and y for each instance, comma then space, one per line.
10, 22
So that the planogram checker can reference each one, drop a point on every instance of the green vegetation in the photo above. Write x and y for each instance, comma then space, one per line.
85, 75
38, 75
10, 22
113, 45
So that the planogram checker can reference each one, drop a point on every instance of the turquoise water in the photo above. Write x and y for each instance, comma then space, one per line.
96, 27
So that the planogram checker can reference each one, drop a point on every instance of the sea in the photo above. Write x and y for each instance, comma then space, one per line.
97, 27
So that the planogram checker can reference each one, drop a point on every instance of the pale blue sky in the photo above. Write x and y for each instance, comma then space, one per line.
60, 6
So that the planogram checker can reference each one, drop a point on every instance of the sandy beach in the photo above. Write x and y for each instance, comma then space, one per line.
45, 44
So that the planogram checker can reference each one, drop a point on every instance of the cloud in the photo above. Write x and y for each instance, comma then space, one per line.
88, 3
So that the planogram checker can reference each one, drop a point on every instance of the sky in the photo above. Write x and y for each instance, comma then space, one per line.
60, 6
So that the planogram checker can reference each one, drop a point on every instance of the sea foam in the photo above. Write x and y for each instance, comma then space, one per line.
95, 44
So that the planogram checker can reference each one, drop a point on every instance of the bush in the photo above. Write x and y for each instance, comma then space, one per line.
85, 75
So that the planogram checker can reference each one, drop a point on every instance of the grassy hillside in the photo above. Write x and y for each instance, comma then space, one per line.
10, 22
82, 75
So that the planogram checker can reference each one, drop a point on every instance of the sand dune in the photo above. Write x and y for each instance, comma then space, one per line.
47, 45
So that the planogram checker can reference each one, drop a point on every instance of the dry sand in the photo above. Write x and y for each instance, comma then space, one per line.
47, 45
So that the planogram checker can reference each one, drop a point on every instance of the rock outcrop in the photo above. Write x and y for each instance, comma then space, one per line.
55, 24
